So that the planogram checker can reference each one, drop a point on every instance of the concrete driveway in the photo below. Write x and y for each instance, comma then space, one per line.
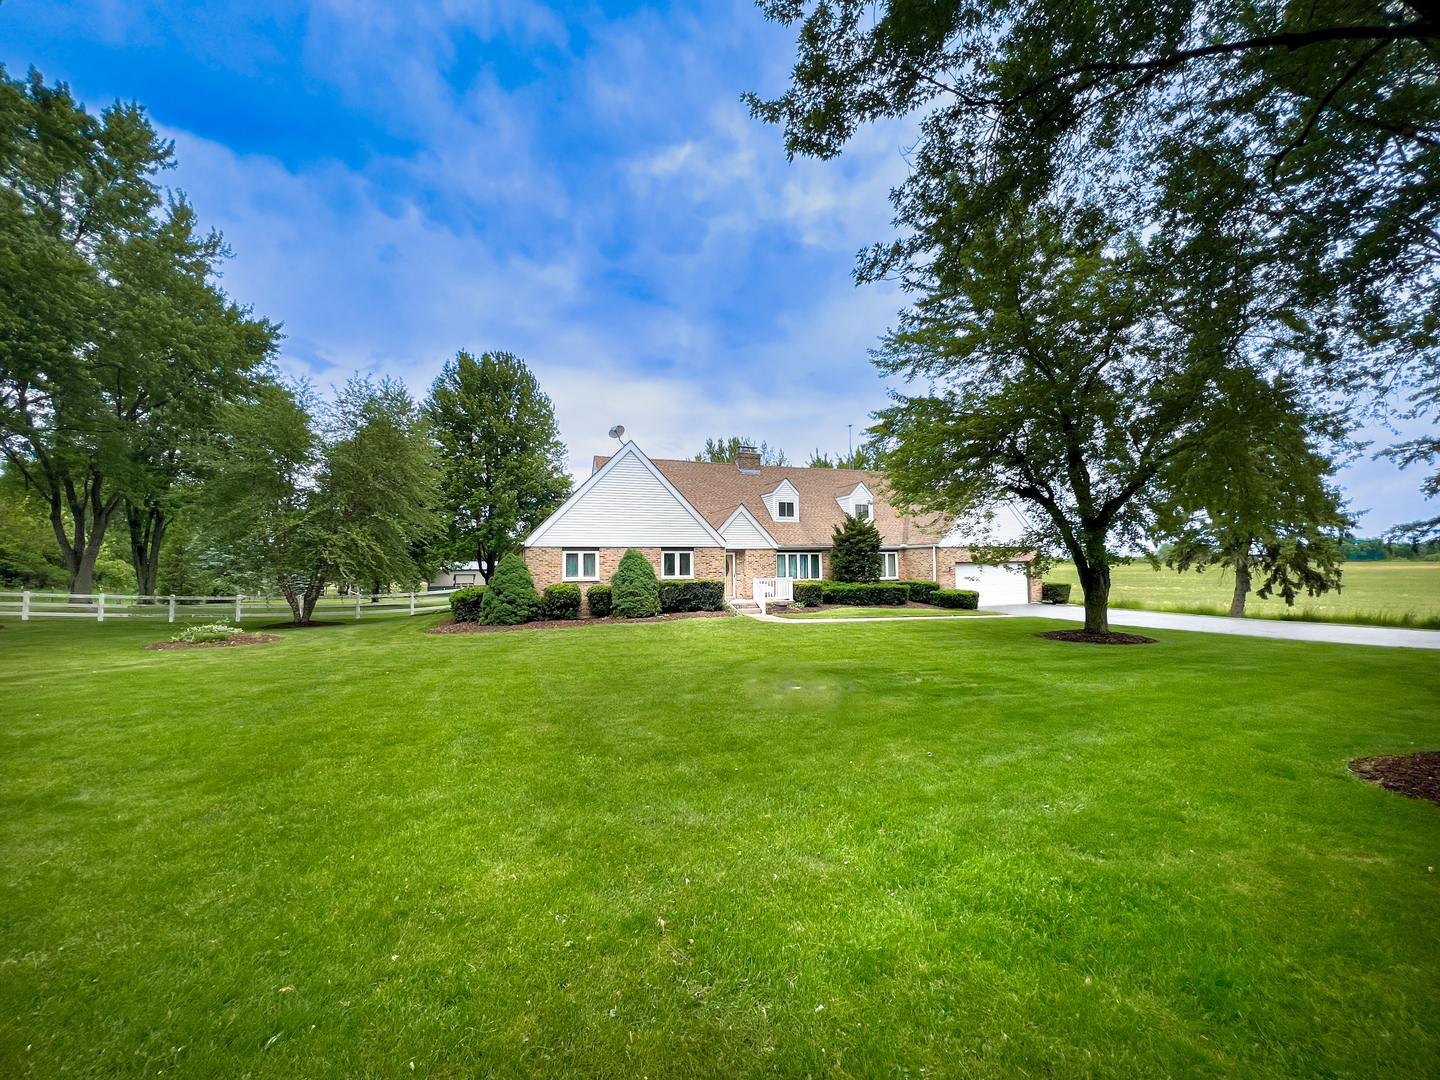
1335, 633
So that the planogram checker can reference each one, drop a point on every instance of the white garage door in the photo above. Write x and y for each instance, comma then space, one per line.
996, 584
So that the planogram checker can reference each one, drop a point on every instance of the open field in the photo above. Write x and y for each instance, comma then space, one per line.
713, 847
1394, 593
920, 611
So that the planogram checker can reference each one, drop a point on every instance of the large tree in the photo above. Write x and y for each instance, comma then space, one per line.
1314, 125
111, 333
503, 464
1252, 493
1062, 379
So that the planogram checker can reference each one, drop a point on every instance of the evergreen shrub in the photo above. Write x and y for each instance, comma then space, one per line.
871, 594
510, 595
598, 598
699, 595
634, 590
1053, 592
465, 603
967, 599
809, 593
855, 551
560, 601
920, 590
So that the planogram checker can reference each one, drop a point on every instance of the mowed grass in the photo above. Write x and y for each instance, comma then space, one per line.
712, 848
1392, 593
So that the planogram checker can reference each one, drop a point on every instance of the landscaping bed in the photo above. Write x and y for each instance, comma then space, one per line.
450, 626
238, 639
849, 611
1089, 637
1415, 775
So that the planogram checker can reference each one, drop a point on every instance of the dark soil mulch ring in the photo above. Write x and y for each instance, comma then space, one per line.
452, 627
1416, 775
1091, 638
238, 639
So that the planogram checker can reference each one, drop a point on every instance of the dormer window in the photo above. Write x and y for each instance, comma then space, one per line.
862, 511
785, 509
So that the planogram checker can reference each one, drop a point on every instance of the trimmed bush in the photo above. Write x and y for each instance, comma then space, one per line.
699, 595
855, 551
634, 591
196, 635
598, 599
877, 594
1052, 592
809, 593
968, 599
560, 601
510, 595
465, 603
920, 590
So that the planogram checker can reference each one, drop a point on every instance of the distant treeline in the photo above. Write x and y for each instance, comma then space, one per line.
1358, 549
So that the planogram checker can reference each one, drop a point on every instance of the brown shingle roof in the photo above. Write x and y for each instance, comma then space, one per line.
717, 488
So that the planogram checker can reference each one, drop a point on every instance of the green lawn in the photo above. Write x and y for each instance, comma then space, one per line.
849, 612
713, 847
1394, 593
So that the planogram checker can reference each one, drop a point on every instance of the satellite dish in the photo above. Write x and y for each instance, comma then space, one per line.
618, 432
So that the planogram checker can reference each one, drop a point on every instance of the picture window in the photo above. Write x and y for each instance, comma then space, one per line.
582, 566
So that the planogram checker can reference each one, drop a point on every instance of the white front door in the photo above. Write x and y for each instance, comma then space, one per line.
996, 584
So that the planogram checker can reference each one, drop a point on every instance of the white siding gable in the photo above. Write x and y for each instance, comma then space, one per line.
785, 491
626, 504
743, 531
860, 494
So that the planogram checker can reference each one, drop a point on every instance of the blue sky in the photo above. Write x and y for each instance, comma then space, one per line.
577, 184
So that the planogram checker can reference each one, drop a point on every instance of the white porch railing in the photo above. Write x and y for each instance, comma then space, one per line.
765, 590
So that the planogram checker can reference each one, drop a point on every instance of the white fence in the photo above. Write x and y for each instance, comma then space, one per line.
764, 590
103, 606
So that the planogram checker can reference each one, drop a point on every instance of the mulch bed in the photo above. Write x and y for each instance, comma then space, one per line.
450, 626
303, 625
1416, 775
1092, 638
238, 639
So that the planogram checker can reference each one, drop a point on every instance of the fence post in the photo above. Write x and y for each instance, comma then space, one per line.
357, 603
100, 610
172, 607
25, 607
412, 603
237, 608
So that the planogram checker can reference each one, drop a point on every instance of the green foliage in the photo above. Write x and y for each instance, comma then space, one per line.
855, 550
207, 632
29, 556
117, 348
503, 464
510, 597
726, 449
863, 458
920, 590
1054, 592
560, 601
1357, 549
598, 600
870, 594
698, 595
965, 599
634, 591
465, 603
808, 593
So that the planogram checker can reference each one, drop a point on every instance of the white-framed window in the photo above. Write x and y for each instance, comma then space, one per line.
464, 579
581, 566
862, 511
804, 565
889, 564
785, 508
677, 564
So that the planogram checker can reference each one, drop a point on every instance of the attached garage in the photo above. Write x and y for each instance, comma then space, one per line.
1005, 584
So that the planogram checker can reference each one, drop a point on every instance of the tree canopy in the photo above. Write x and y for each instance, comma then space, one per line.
724, 450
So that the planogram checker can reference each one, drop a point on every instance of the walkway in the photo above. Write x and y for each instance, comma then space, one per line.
1336, 633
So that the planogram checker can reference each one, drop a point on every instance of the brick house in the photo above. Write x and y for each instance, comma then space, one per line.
743, 521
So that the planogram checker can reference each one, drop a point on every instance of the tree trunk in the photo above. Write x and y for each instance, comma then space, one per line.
313, 592
90, 514
1242, 585
1095, 580
287, 589
147, 533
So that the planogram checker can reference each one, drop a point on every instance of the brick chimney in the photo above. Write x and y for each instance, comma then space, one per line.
747, 459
